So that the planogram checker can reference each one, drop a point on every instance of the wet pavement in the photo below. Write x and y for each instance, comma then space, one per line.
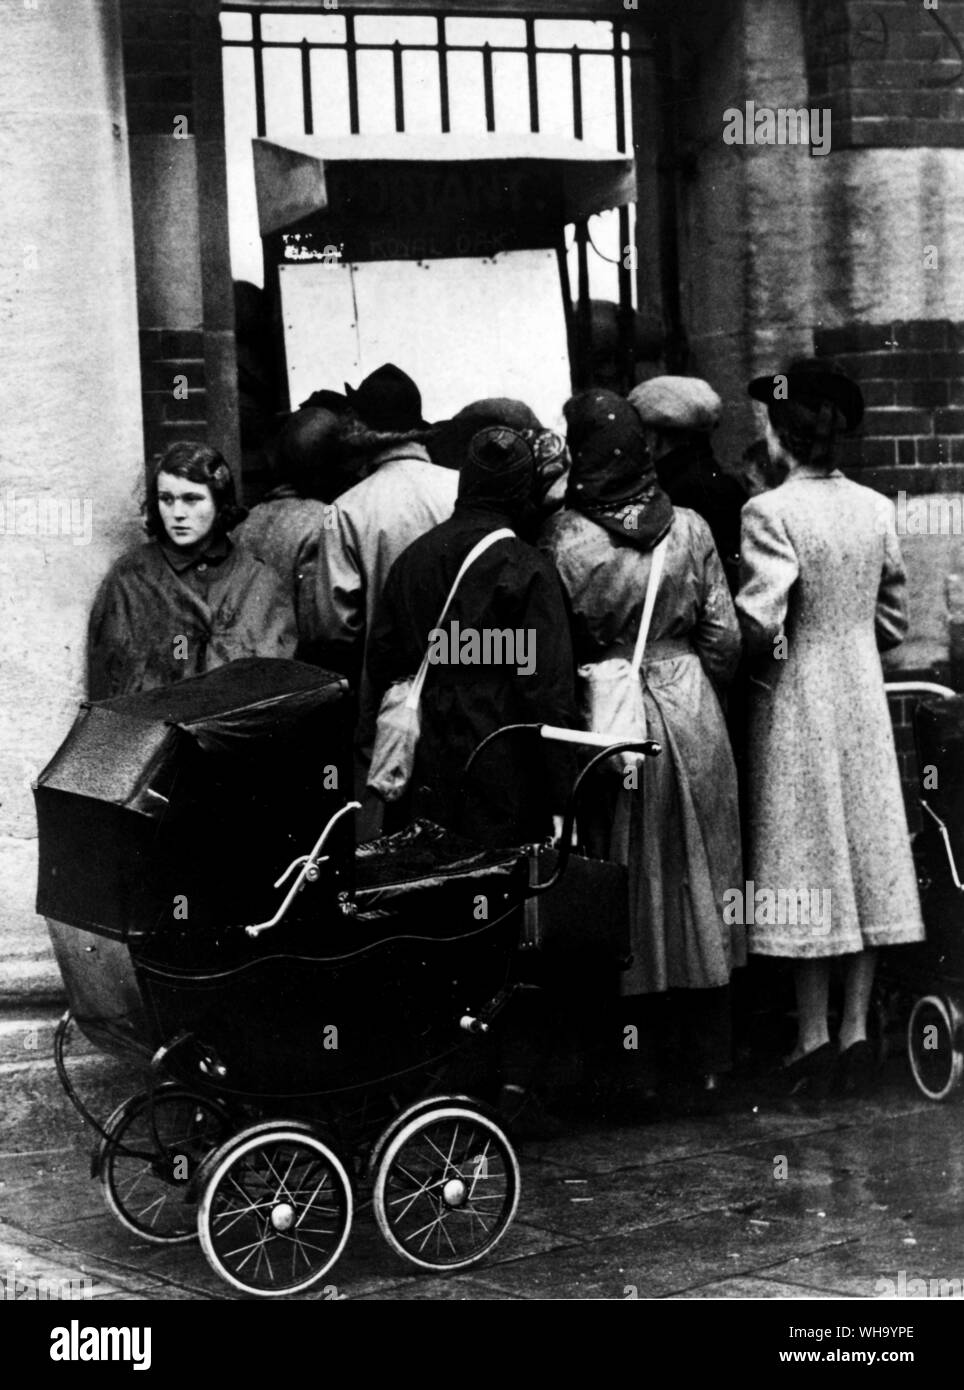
764, 1198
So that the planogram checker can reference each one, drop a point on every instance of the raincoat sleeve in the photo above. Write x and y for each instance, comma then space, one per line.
340, 589
892, 616
716, 636
768, 570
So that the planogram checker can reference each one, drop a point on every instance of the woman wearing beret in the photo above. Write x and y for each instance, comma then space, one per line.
677, 828
187, 601
823, 593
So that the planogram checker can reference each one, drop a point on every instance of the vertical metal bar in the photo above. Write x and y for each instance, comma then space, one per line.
583, 310
576, 93
533, 75
351, 53
399, 87
626, 317
487, 83
258, 52
306, 87
443, 75
618, 86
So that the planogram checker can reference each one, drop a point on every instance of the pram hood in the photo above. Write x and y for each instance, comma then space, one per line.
149, 794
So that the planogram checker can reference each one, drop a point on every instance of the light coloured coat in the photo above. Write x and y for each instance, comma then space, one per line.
823, 592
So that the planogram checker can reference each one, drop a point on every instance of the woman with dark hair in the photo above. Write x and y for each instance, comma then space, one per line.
188, 600
675, 823
823, 593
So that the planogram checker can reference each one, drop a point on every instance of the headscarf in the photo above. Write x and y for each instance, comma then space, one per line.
612, 480
499, 474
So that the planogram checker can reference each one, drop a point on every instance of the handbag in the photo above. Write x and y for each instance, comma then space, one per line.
399, 721
611, 694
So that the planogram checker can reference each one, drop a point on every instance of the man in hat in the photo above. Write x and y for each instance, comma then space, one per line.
404, 495
679, 413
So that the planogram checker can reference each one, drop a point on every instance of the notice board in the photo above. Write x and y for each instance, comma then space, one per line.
463, 329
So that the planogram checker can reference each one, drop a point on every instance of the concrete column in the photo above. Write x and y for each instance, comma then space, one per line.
71, 442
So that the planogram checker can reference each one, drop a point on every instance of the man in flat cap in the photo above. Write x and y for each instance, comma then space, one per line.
679, 414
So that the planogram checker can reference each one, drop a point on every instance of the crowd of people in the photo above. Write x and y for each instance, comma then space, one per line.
760, 671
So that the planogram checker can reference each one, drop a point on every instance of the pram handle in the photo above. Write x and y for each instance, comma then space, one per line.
604, 742
309, 870
555, 734
919, 688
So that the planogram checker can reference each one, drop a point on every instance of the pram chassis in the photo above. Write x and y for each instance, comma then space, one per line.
270, 1186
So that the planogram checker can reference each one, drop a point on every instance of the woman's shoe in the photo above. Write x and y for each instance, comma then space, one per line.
811, 1074
856, 1069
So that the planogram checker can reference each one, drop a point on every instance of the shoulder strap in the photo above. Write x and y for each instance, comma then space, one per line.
502, 534
655, 574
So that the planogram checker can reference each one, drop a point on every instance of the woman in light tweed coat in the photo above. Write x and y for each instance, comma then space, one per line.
822, 593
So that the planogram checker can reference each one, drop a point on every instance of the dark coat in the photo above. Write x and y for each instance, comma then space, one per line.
159, 618
519, 781
691, 477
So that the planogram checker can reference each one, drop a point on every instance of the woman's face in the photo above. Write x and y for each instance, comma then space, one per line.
187, 509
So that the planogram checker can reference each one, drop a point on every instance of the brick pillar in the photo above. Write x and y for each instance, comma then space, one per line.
172, 67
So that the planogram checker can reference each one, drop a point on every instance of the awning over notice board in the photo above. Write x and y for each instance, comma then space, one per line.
291, 177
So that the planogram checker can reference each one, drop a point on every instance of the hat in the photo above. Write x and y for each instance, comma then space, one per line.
388, 399
499, 471
810, 382
451, 437
677, 403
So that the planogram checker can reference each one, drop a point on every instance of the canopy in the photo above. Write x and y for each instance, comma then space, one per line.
202, 791
292, 178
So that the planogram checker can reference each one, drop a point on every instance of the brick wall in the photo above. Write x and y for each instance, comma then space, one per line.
912, 377
891, 71
902, 715
166, 359
161, 46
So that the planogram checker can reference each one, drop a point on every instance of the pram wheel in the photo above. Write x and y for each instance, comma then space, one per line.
447, 1187
933, 1046
276, 1210
398, 1122
148, 1189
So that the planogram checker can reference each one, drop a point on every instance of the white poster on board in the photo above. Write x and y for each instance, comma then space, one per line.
463, 329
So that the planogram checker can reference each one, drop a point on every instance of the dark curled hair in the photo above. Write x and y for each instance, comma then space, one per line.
197, 463
808, 433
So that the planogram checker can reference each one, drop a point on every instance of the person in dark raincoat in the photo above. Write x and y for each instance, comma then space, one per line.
677, 828
189, 600
679, 414
516, 785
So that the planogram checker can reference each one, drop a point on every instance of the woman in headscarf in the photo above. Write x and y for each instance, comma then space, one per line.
515, 786
187, 601
823, 592
675, 824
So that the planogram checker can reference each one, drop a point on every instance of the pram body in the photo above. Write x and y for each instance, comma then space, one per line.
292, 1049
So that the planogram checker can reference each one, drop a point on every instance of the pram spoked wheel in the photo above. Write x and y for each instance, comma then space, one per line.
148, 1188
276, 1209
446, 1187
934, 1045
